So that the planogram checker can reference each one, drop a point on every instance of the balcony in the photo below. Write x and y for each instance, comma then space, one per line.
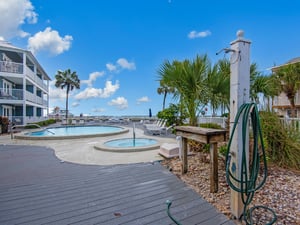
11, 94
11, 67
35, 78
35, 99
17, 94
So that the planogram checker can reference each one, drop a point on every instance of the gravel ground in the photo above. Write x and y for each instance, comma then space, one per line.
281, 192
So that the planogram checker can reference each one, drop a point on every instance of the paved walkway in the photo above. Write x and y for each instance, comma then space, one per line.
37, 188
82, 150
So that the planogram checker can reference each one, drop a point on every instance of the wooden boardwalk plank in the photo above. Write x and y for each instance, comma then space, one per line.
37, 188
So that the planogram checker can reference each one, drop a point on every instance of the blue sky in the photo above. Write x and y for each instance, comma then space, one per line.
117, 46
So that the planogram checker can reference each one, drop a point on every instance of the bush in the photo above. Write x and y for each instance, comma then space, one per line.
41, 124
210, 125
282, 143
4, 122
171, 115
223, 149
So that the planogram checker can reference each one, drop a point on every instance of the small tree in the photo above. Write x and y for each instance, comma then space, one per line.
164, 89
289, 76
69, 80
4, 122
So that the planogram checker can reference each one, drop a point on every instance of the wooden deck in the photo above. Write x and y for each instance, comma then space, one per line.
37, 188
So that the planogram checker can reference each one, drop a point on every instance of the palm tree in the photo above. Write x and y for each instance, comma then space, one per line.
164, 89
218, 82
289, 76
188, 80
69, 80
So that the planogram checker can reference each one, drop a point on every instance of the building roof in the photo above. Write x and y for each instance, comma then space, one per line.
291, 61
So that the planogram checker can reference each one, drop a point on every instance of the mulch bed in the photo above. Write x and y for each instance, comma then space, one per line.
281, 192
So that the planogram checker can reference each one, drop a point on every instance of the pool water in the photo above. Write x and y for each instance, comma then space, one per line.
130, 142
73, 131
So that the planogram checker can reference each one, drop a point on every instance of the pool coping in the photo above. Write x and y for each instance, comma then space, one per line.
23, 135
103, 147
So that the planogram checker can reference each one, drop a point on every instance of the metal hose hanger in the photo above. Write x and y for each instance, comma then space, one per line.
250, 179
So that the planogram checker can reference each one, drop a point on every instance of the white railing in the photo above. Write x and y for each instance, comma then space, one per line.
30, 96
40, 82
39, 100
291, 122
12, 94
35, 99
212, 119
11, 67
30, 73
35, 78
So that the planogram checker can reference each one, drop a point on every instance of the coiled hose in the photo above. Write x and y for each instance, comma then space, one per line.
250, 179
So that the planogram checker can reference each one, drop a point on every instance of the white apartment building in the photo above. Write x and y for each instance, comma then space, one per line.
24, 86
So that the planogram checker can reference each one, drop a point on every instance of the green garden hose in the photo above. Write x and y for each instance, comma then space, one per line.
169, 203
250, 179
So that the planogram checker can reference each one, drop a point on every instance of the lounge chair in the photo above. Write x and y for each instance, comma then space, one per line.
158, 130
158, 124
73, 122
81, 122
166, 129
64, 122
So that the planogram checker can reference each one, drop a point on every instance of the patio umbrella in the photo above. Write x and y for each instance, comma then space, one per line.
150, 113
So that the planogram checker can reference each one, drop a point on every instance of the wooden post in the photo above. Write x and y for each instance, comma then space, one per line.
184, 155
239, 94
214, 178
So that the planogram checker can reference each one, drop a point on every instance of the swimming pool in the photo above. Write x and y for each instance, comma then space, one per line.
69, 132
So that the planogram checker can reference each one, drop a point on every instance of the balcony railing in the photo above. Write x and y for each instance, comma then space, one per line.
36, 99
17, 94
12, 94
11, 67
35, 78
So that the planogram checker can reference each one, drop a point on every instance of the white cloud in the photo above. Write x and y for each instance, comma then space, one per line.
143, 99
75, 104
57, 93
121, 64
124, 64
92, 78
195, 34
49, 41
120, 103
91, 92
13, 14
98, 110
110, 67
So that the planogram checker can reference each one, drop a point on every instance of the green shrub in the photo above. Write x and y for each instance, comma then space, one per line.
41, 124
210, 125
4, 122
172, 115
223, 149
281, 143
